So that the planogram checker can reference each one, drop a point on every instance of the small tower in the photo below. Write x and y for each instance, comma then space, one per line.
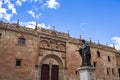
68, 33
90, 41
106, 44
54, 32
17, 24
53, 28
80, 38
114, 46
36, 26
98, 44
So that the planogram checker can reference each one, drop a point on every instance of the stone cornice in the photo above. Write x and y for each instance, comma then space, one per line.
43, 31
12, 27
51, 33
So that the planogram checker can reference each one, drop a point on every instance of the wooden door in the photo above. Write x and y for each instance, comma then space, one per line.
45, 72
54, 72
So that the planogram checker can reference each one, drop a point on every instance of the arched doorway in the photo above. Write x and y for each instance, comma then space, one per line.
51, 68
49, 72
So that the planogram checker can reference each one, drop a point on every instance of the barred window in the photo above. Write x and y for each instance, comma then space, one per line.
21, 41
18, 62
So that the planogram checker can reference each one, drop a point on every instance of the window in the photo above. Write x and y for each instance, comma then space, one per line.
113, 71
94, 64
98, 53
18, 62
0, 35
109, 58
76, 72
21, 41
108, 71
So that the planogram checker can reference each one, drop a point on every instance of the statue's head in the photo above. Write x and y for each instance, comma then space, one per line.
83, 41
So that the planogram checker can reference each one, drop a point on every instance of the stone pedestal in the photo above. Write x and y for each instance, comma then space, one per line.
87, 73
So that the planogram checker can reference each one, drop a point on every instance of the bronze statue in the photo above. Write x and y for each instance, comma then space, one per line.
85, 53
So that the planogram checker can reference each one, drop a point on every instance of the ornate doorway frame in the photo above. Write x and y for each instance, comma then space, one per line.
52, 59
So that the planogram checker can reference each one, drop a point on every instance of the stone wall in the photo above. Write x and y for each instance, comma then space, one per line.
44, 46
10, 51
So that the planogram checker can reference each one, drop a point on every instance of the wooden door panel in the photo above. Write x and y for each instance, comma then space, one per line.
54, 72
45, 72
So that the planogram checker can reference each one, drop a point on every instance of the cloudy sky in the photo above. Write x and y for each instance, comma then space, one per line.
95, 19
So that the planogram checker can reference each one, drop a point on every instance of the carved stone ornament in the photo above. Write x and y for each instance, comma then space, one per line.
44, 44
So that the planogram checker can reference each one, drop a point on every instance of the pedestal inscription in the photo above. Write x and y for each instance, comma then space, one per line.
87, 73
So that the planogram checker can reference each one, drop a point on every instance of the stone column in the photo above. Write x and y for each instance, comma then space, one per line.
50, 72
61, 75
87, 73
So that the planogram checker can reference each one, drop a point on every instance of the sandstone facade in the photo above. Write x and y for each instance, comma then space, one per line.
27, 54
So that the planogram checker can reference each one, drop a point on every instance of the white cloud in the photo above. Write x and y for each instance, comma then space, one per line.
117, 42
8, 16
33, 14
11, 7
32, 24
44, 26
6, 1
38, 15
36, 0
31, 0
19, 3
3, 11
8, 7
53, 4
24, 0
1, 3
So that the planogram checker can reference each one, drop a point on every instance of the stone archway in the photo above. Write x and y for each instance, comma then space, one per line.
51, 66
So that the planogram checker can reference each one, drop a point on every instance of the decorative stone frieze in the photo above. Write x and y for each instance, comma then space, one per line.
52, 44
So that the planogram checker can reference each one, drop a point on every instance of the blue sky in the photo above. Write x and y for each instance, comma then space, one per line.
98, 19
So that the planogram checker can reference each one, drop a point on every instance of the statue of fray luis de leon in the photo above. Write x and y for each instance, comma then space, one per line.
84, 51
